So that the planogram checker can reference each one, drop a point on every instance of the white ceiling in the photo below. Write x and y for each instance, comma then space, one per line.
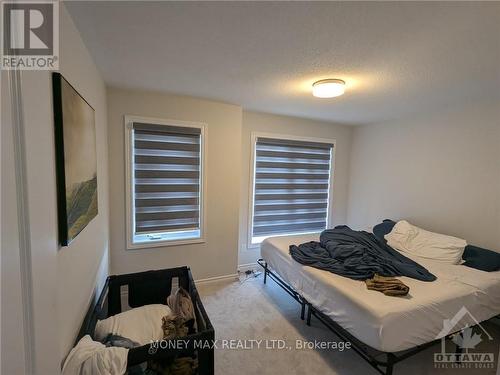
398, 59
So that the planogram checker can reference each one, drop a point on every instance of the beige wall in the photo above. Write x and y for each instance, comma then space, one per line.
441, 172
64, 279
262, 122
218, 255
228, 151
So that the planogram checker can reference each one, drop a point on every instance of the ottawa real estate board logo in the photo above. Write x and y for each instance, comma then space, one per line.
30, 35
468, 353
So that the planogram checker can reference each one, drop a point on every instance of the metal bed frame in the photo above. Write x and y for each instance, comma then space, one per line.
381, 361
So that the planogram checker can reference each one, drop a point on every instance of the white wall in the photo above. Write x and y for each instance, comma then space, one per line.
441, 172
218, 255
262, 122
64, 278
12, 330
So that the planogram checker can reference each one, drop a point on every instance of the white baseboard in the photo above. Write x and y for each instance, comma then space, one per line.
248, 266
216, 278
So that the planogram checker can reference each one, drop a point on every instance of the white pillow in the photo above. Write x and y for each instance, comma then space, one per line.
141, 324
413, 240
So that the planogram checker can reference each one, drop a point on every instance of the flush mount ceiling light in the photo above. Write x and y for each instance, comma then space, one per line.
328, 88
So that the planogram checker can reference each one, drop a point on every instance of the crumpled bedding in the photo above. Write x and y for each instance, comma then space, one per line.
357, 255
91, 357
386, 323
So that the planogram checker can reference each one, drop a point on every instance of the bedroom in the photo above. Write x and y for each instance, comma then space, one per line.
414, 138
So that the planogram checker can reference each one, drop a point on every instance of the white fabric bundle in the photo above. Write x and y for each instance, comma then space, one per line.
90, 357
416, 241
141, 324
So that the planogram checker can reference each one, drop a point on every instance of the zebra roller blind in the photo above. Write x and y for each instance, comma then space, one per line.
167, 178
291, 186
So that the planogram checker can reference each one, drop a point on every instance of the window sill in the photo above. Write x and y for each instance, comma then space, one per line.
160, 243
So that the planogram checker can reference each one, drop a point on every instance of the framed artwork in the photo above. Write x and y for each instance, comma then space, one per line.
76, 159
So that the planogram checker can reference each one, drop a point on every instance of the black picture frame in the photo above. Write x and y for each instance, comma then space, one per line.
73, 217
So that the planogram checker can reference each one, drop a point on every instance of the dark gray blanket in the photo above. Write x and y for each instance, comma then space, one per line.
358, 255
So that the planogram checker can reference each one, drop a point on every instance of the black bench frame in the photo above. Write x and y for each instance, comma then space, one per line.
381, 361
153, 287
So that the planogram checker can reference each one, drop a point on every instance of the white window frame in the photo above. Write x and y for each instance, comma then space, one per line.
129, 184
331, 181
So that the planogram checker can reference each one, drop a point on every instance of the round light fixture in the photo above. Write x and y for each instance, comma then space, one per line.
328, 88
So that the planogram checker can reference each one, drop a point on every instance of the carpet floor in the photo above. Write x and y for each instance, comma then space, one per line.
250, 310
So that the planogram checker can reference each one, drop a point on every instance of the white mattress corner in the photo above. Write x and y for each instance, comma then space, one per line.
385, 323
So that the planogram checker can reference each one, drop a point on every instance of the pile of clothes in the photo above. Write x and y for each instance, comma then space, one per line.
109, 355
390, 286
176, 325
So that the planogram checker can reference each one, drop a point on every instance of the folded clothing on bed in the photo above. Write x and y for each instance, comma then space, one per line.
390, 286
358, 255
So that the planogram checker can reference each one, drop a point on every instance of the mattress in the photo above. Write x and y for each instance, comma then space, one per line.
390, 324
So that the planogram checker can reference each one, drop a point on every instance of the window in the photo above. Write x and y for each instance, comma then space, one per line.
164, 182
291, 186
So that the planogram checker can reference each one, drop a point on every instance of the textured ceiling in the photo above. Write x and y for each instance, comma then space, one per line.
398, 59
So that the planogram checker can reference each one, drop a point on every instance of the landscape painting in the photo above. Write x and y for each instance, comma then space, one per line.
76, 160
